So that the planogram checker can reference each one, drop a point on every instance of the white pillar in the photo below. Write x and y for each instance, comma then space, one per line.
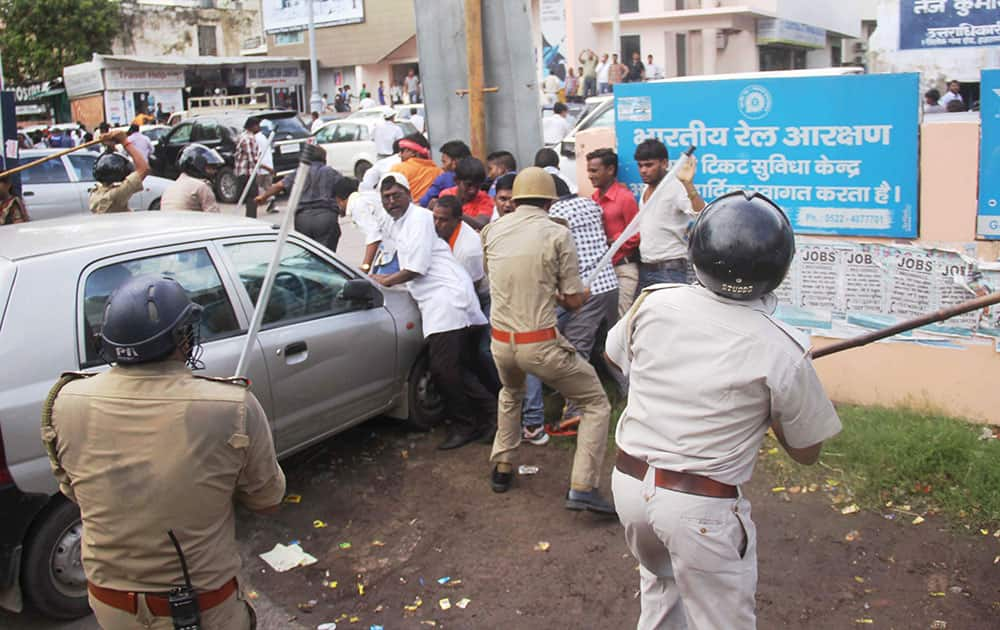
709, 54
315, 100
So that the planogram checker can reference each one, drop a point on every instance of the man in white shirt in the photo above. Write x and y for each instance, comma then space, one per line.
556, 126
265, 177
954, 93
603, 75
449, 312
653, 71
365, 209
462, 239
317, 122
417, 119
140, 142
386, 132
672, 207
374, 174
367, 102
550, 87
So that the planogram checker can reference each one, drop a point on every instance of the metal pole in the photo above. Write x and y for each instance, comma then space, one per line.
937, 316
272, 268
474, 61
315, 100
256, 168
633, 227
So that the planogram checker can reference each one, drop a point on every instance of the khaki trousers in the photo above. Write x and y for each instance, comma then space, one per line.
628, 283
558, 365
697, 556
233, 614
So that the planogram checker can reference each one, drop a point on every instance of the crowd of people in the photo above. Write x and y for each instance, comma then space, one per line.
409, 91
598, 75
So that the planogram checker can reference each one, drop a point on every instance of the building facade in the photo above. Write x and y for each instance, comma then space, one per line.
692, 37
189, 28
930, 37
357, 43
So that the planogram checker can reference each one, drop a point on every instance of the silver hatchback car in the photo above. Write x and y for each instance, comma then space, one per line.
334, 350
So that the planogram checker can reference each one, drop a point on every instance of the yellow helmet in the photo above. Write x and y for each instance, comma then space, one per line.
534, 183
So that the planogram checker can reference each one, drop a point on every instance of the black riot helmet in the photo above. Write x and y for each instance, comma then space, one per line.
112, 168
742, 245
196, 159
147, 318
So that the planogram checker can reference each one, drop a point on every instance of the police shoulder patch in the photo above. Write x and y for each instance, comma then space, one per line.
239, 381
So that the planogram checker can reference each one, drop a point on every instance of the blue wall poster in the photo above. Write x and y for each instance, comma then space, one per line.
838, 153
948, 23
989, 156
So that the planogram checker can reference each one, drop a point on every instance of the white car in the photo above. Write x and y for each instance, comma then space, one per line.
348, 143
61, 187
598, 112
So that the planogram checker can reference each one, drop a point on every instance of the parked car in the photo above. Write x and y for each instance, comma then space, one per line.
335, 350
598, 111
61, 187
348, 144
220, 131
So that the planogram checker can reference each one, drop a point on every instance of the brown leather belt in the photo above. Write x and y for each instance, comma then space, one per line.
535, 336
677, 481
158, 604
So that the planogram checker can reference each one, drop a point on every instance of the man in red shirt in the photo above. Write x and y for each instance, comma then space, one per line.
619, 206
477, 205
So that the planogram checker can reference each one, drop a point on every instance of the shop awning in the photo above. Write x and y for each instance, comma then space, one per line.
48, 93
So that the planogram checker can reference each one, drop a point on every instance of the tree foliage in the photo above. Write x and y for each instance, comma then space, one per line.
38, 38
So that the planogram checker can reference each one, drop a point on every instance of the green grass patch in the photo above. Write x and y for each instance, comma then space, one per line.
932, 463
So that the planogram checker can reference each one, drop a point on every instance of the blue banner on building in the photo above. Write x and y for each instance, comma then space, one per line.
839, 153
989, 156
948, 23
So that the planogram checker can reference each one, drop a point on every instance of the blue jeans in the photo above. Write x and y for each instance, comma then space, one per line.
649, 275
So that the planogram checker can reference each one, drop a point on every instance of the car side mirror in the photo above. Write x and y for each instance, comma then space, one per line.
361, 291
568, 148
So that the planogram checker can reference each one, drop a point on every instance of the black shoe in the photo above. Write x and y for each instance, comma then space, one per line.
487, 436
456, 440
501, 481
591, 501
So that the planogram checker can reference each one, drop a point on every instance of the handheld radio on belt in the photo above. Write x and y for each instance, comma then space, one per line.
183, 600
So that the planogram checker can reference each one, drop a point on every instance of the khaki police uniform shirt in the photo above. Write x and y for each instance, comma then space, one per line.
707, 376
529, 257
189, 193
114, 198
148, 448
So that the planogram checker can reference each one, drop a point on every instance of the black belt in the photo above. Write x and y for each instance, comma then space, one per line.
662, 265
627, 260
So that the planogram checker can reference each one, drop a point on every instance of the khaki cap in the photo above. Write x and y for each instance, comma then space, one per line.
534, 183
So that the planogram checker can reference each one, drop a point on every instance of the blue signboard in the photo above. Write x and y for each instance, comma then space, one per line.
839, 153
989, 156
948, 23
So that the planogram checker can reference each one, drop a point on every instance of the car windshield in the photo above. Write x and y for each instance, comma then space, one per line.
289, 125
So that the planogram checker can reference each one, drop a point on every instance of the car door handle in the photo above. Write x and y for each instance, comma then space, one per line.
27, 193
296, 352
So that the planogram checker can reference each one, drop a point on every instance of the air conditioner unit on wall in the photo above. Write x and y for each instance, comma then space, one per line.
860, 47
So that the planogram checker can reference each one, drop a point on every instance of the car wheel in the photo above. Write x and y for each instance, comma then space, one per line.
155, 205
52, 577
425, 404
227, 186
361, 168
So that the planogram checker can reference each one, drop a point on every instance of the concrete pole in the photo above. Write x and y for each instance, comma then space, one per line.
616, 32
709, 53
474, 61
315, 100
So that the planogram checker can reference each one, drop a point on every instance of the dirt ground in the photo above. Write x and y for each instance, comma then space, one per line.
400, 517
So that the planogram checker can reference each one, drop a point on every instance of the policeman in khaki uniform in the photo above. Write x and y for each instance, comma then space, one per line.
193, 189
147, 447
532, 265
710, 370
117, 179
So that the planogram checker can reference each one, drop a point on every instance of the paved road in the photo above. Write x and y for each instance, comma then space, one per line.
350, 249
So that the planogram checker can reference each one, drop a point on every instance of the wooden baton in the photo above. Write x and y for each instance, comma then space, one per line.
57, 154
937, 316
